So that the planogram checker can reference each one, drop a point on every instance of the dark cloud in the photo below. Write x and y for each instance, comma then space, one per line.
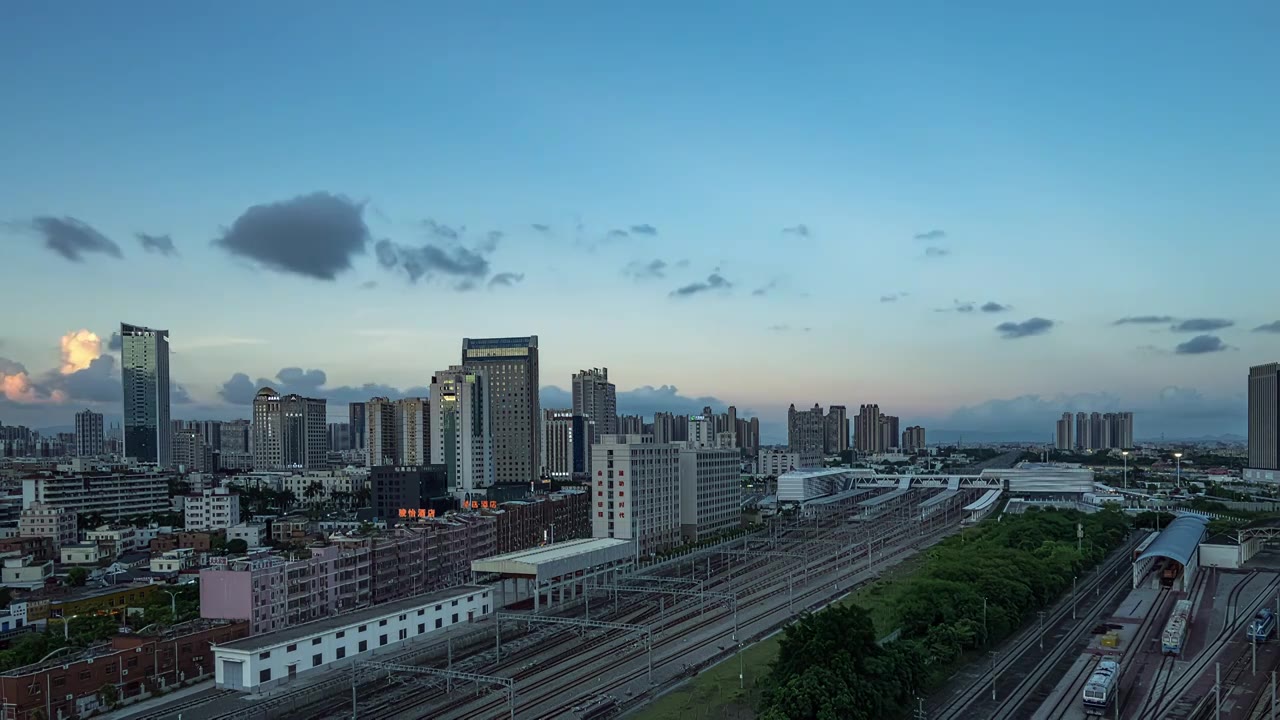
935, 251
73, 239
1144, 320
1273, 327
800, 230
490, 241
618, 234
239, 389
1026, 328
178, 394
1202, 325
1200, 345
540, 227
640, 270
162, 244
314, 235
714, 281
99, 382
994, 307
778, 328
441, 231
931, 235
368, 284
456, 263
766, 289
506, 279
892, 297
116, 343
644, 229
963, 307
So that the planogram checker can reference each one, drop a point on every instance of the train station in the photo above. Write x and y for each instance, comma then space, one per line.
1171, 556
554, 572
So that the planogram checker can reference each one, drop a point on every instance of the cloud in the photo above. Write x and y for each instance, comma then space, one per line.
162, 244
506, 279
16, 385
239, 389
442, 231
315, 236
78, 349
490, 241
714, 281
963, 307
1200, 345
779, 328
72, 238
540, 227
178, 394
994, 307
617, 235
934, 251
893, 297
766, 289
800, 230
1202, 325
644, 229
98, 381
1144, 320
368, 284
116, 344
644, 400
641, 270
1026, 328
429, 261
1273, 327
931, 235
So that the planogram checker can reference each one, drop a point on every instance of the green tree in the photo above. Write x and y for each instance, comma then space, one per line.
237, 546
77, 576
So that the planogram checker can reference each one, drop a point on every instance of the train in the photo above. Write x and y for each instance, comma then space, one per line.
1175, 631
1262, 626
1146, 543
598, 707
1100, 686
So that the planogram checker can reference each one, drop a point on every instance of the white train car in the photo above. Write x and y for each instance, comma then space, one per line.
1100, 686
1175, 631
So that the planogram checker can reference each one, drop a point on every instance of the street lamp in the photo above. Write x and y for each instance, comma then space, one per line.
173, 604
1177, 483
1125, 454
66, 622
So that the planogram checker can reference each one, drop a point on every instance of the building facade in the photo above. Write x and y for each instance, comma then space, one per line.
113, 493
380, 432
215, 509
566, 445
596, 398
413, 431
836, 429
190, 452
710, 492
773, 462
49, 521
888, 433
636, 491
339, 437
806, 430
394, 488
510, 366
1062, 432
356, 419
866, 430
1264, 418
144, 375
290, 432
90, 440
461, 421
913, 438
702, 432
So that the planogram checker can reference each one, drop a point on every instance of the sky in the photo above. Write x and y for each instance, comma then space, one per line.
977, 218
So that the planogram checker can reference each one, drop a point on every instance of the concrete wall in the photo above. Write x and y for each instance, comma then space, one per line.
1223, 556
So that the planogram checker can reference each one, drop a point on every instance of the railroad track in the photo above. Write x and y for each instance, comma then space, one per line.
182, 707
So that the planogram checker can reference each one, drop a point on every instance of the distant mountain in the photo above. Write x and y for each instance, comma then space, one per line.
1226, 438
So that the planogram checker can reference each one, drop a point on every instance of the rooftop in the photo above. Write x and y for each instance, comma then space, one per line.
355, 617
553, 560
1178, 541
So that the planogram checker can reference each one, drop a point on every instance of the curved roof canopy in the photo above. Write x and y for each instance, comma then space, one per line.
1178, 541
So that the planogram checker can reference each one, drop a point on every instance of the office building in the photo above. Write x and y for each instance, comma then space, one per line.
394, 489
144, 375
836, 430
710, 492
1264, 423
339, 437
806, 429
510, 367
413, 431
773, 462
290, 432
913, 439
461, 421
211, 509
90, 440
1062, 435
380, 432
235, 436
566, 445
867, 438
356, 419
597, 398
636, 491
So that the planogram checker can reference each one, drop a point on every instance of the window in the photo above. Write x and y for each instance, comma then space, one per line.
317, 659
404, 633
438, 608
484, 608
264, 655
84, 674
402, 617
341, 653
439, 623
454, 603
363, 628
291, 648
264, 675
315, 641
382, 622
382, 639
133, 662
364, 645
455, 618
341, 634
422, 627
60, 681
421, 612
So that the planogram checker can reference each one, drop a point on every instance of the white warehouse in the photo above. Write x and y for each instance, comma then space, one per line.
264, 661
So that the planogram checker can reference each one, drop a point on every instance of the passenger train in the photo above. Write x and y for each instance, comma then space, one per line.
1175, 632
1101, 685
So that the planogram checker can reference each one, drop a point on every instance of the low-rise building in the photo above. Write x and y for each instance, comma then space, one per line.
201, 542
85, 553
24, 571
113, 492
56, 523
772, 462
253, 534
175, 561
114, 539
39, 548
211, 509
542, 519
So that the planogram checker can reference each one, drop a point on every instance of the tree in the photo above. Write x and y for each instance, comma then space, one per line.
77, 576
314, 490
237, 546
110, 695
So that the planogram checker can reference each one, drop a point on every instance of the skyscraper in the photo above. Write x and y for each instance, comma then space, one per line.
1082, 431
597, 398
380, 433
663, 427
702, 432
356, 418
510, 367
1264, 419
144, 374
89, 438
888, 432
289, 432
630, 425
460, 422
1062, 433
867, 429
836, 428
805, 429
339, 437
413, 431
913, 438
566, 444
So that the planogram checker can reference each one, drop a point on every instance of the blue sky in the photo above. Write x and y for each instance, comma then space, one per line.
1079, 165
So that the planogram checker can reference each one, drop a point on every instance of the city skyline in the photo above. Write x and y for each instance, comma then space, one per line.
924, 196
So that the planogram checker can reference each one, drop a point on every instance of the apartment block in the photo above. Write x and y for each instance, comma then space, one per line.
710, 492
216, 509
772, 462
58, 524
113, 493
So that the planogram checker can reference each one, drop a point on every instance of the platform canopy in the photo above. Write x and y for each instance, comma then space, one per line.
1178, 541
558, 560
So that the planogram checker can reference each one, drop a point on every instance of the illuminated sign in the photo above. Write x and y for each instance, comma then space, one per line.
417, 513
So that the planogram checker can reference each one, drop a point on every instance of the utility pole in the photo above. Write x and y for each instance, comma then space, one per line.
1073, 596
1217, 689
1273, 695
353, 689
993, 674
1041, 629
985, 632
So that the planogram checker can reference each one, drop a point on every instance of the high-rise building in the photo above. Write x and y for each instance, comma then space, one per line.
211, 509
289, 432
597, 398
913, 438
636, 492
1095, 431
731, 425
339, 437
144, 374
413, 431
566, 445
90, 440
867, 429
806, 429
394, 488
836, 428
1062, 434
1125, 437
380, 432
190, 452
888, 432
356, 419
709, 492
753, 435
460, 422
663, 427
630, 425
1082, 431
1264, 422
510, 367
702, 432
235, 436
